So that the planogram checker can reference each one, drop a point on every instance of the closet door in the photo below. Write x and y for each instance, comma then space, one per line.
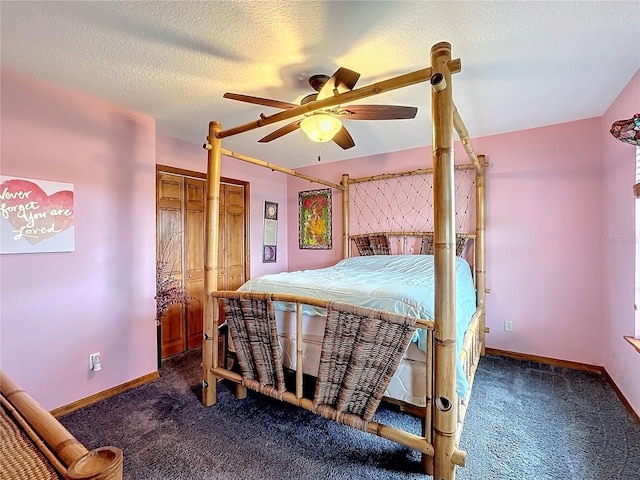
232, 244
231, 237
222, 235
235, 236
169, 255
194, 252
180, 217
180, 246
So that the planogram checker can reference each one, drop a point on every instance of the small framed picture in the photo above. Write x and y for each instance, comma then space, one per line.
270, 233
269, 254
271, 211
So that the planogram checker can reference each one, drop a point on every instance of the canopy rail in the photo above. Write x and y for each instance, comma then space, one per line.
274, 167
420, 171
408, 233
458, 124
394, 83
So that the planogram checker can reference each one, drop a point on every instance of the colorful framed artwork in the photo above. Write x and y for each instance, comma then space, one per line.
36, 216
314, 219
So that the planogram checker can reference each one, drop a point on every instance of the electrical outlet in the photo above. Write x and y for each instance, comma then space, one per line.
508, 326
95, 362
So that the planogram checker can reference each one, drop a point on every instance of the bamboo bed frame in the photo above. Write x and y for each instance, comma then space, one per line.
443, 417
37, 446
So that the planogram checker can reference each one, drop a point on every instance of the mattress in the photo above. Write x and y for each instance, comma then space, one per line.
401, 284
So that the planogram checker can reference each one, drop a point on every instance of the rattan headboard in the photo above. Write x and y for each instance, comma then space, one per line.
407, 243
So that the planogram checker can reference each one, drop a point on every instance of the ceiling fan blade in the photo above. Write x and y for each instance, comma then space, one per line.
343, 139
288, 128
378, 112
267, 102
343, 80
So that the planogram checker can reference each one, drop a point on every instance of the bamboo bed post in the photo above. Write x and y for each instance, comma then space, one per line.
445, 415
345, 216
212, 212
299, 352
480, 249
479, 263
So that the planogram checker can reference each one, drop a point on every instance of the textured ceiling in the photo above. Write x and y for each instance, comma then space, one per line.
524, 64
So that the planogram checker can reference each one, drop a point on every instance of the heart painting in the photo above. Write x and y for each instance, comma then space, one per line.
32, 213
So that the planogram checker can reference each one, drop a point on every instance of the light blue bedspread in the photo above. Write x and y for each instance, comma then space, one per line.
396, 283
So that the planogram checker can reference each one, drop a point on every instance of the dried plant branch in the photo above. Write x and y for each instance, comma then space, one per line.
169, 289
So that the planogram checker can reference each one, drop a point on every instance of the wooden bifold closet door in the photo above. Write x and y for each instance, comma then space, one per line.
231, 237
180, 219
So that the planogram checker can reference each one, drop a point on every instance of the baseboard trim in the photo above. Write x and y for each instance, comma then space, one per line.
95, 398
546, 360
573, 365
622, 398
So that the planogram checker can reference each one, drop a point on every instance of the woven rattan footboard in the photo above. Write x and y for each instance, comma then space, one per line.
252, 323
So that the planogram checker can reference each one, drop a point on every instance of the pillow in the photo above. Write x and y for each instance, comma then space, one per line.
374, 244
364, 246
427, 246
380, 244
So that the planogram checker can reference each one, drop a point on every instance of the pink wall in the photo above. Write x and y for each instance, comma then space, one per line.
265, 185
544, 227
618, 247
57, 308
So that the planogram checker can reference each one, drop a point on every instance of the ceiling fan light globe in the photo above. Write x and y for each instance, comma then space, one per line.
320, 127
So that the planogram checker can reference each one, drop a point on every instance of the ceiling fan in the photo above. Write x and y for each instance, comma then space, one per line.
325, 124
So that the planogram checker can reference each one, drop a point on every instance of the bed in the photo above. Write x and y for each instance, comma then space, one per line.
395, 283
35, 446
358, 345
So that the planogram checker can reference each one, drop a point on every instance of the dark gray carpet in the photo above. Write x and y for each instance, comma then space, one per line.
526, 421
